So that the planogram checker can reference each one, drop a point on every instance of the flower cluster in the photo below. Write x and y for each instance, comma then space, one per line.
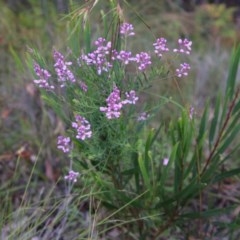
72, 176
126, 29
99, 57
143, 116
184, 46
44, 75
83, 86
143, 59
131, 98
160, 46
83, 128
183, 70
124, 56
115, 104
63, 143
61, 68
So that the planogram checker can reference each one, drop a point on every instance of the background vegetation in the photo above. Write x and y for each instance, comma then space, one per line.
35, 200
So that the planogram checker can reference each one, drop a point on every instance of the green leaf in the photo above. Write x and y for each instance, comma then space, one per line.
226, 174
233, 69
231, 127
136, 173
208, 213
209, 173
178, 172
154, 138
148, 143
214, 122
143, 169
236, 108
18, 61
203, 124
166, 169
191, 190
87, 37
227, 143
223, 112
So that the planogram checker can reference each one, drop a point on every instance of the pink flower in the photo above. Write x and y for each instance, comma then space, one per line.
83, 128
165, 161
64, 143
83, 86
125, 57
143, 59
143, 116
184, 46
62, 70
183, 70
99, 57
126, 29
160, 46
44, 75
114, 104
72, 176
131, 98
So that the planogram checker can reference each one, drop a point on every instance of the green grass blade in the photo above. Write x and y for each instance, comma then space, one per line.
227, 143
17, 59
233, 69
190, 191
236, 108
136, 173
233, 124
208, 213
203, 124
226, 174
178, 173
214, 123
87, 37
166, 169
143, 169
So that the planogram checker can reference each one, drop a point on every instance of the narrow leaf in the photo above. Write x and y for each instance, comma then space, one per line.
143, 170
203, 124
214, 122
226, 174
209, 213
233, 69
227, 143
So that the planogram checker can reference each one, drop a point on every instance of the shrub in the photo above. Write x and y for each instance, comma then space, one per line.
143, 171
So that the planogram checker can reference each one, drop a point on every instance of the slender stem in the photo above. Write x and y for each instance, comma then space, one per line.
179, 90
